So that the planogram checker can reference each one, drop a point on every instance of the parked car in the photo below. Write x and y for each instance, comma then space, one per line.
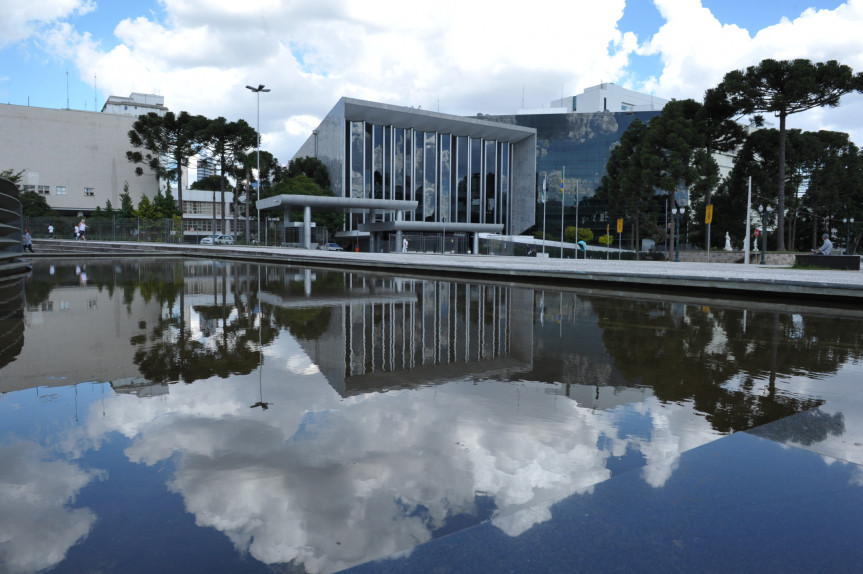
333, 247
217, 240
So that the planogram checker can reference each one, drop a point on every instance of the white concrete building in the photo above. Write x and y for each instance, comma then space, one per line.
135, 105
198, 213
75, 159
607, 97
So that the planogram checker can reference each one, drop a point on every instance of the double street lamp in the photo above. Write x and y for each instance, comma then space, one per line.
849, 222
677, 212
258, 91
764, 211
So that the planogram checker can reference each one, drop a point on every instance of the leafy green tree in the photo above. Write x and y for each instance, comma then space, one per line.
225, 141
34, 205
165, 144
98, 213
783, 88
109, 209
304, 185
146, 209
310, 167
127, 207
11, 175
209, 183
165, 205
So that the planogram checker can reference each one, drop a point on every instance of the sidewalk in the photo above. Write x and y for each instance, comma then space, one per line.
738, 279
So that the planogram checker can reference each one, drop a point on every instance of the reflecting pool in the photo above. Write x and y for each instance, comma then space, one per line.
165, 415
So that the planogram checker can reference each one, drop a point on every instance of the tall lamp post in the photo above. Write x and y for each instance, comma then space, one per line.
848, 223
677, 212
258, 91
764, 211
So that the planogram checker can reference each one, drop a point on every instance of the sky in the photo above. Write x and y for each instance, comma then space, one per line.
460, 57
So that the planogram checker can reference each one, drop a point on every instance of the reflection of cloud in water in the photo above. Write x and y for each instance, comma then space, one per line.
331, 482
37, 527
301, 365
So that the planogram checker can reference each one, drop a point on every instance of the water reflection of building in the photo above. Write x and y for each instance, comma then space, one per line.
11, 319
85, 330
385, 333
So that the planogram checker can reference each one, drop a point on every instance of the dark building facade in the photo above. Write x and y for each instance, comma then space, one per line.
573, 148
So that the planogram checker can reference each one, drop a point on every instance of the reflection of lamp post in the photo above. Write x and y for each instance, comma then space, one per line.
258, 91
443, 239
764, 211
848, 223
677, 212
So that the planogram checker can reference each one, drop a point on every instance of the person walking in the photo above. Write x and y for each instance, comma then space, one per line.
28, 241
82, 229
50, 232
77, 232
405, 245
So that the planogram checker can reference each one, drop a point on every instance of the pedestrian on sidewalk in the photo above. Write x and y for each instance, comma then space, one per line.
50, 232
28, 241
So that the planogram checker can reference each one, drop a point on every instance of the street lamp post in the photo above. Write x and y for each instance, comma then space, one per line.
764, 211
848, 223
258, 91
677, 212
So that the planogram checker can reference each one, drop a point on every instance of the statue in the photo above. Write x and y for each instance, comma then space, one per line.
727, 242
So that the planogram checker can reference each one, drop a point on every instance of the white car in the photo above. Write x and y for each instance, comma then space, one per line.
217, 240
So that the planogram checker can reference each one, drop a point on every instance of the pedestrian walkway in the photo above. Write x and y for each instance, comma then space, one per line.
752, 280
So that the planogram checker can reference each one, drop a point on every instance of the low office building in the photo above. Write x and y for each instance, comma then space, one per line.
466, 175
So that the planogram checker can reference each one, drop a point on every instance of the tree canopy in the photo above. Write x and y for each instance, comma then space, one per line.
783, 88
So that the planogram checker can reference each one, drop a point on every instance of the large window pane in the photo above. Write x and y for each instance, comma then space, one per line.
419, 164
430, 186
475, 180
490, 182
399, 163
461, 188
445, 176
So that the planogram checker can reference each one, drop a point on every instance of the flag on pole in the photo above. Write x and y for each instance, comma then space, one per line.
544, 183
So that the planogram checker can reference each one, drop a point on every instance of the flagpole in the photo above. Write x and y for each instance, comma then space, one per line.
576, 219
562, 181
544, 191
746, 239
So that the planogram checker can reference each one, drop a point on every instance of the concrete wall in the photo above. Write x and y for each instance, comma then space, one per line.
737, 257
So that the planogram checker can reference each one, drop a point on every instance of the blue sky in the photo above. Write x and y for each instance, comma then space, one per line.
459, 58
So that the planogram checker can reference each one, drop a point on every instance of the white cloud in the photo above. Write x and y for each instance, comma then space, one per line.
37, 523
23, 19
457, 57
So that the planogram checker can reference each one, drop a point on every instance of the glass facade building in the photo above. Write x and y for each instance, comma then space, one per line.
466, 173
572, 148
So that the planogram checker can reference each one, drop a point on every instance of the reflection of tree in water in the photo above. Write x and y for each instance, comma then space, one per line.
170, 353
805, 429
686, 353
304, 323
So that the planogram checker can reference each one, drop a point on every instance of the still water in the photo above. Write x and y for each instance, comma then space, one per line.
167, 415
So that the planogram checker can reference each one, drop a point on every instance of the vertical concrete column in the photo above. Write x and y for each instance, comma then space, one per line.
307, 226
399, 217
476, 243
373, 237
